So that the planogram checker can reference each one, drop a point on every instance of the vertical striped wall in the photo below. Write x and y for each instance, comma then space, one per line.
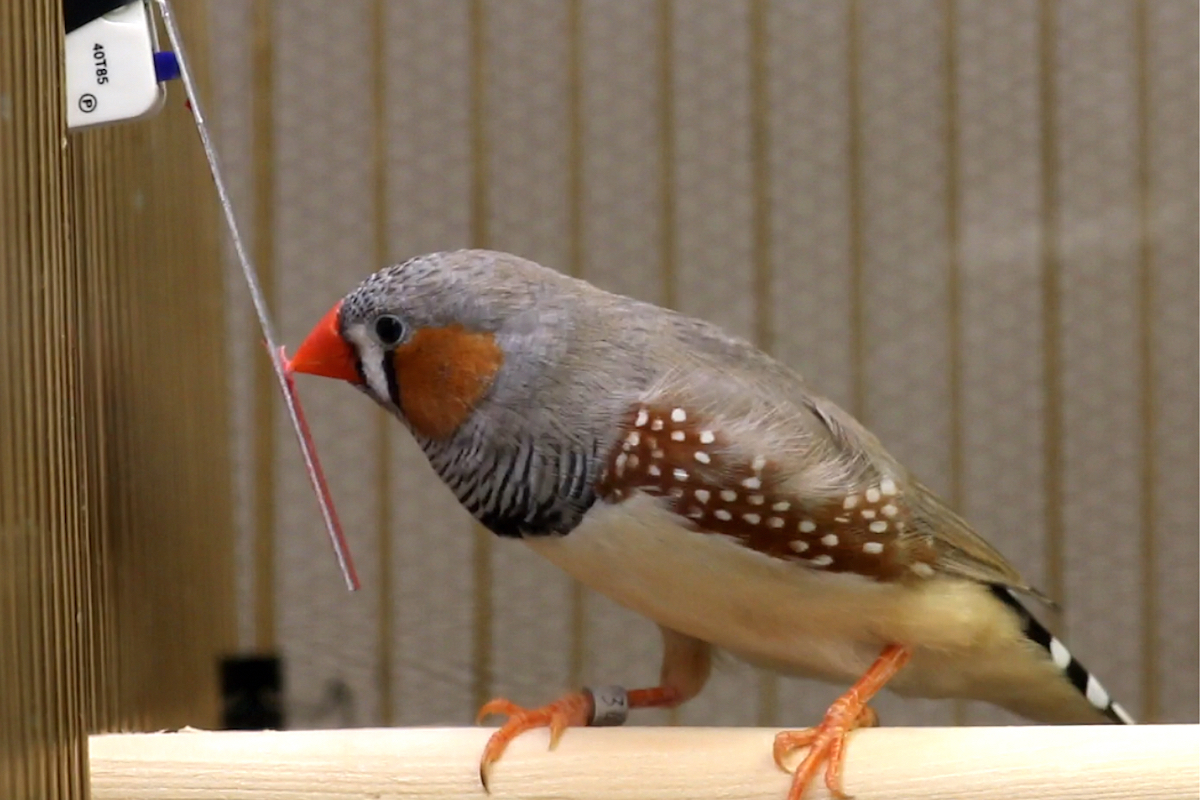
974, 224
116, 543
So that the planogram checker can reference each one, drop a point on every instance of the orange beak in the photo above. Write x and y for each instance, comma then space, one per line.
324, 352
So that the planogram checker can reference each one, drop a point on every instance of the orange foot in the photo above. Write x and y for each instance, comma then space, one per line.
572, 709
827, 741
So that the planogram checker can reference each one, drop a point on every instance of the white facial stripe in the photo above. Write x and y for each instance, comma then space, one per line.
371, 356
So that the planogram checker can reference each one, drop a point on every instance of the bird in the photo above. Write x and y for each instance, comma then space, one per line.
701, 483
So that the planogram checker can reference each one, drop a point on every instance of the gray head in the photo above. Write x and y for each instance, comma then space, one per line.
431, 337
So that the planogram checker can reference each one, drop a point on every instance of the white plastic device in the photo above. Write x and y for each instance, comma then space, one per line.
110, 68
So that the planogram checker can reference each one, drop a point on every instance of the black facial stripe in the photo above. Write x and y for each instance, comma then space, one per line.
389, 372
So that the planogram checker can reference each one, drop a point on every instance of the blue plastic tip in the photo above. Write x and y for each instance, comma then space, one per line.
166, 66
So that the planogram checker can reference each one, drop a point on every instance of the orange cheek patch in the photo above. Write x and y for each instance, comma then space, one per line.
442, 374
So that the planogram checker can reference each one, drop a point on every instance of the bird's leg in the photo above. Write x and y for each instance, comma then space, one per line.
685, 669
574, 709
827, 741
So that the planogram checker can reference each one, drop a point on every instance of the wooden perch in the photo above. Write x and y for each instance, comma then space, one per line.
1005, 763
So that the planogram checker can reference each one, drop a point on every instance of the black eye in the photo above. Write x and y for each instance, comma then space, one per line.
389, 330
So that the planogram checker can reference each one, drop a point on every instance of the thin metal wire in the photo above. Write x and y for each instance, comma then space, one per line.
275, 351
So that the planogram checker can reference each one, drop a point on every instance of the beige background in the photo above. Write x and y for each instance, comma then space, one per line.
972, 223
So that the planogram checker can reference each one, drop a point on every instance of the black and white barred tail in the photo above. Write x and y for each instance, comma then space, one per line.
1083, 681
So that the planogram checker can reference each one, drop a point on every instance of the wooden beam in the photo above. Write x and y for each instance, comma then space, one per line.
1005, 763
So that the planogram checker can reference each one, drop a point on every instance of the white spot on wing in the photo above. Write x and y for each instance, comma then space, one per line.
654, 470
702, 495
829, 540
821, 561
799, 545
872, 547
680, 475
678, 436
890, 510
707, 437
756, 499
728, 495
878, 526
723, 515
924, 570
753, 519
678, 415
642, 418
782, 505
775, 522
634, 438
887, 486
807, 526
872, 495
758, 463
620, 464
752, 483
703, 457
850, 502
657, 424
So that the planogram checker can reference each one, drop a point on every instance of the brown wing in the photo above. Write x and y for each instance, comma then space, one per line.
695, 463
960, 550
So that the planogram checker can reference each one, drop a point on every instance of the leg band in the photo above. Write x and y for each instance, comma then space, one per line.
610, 705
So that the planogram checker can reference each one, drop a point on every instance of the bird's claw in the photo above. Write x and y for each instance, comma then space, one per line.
572, 709
826, 743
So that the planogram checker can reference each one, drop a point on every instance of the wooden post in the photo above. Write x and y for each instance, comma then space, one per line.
1015, 763
43, 534
115, 517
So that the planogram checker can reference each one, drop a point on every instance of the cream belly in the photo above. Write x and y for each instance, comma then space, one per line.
800, 621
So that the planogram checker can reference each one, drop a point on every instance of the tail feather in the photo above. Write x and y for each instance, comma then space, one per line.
1083, 681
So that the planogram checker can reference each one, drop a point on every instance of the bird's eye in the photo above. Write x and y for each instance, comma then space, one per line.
389, 330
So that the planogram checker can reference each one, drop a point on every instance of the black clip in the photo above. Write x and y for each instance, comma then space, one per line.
77, 13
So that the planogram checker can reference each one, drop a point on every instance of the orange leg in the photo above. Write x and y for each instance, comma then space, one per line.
574, 709
827, 741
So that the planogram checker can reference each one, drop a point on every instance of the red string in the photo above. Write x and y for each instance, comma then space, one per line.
317, 475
